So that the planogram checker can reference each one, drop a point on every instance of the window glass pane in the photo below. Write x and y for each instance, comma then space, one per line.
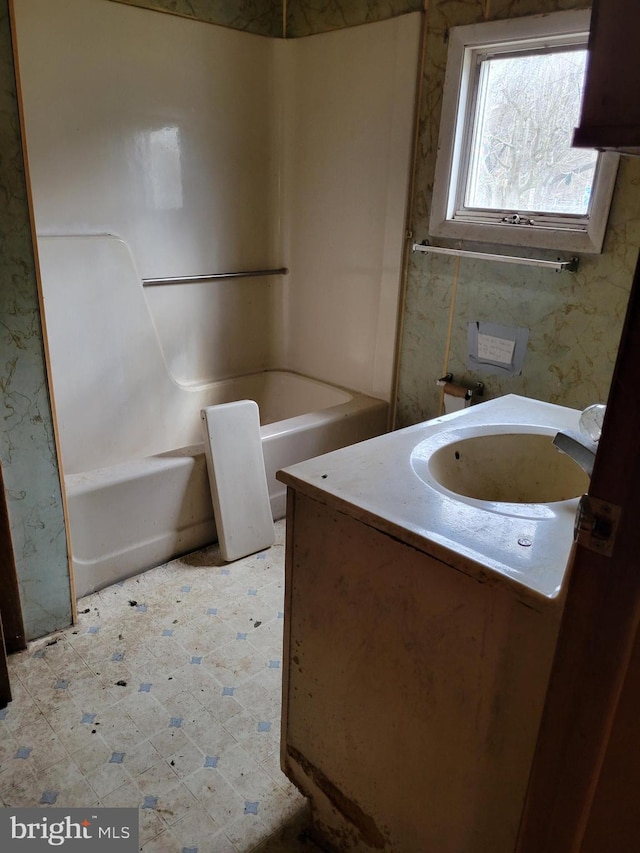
521, 156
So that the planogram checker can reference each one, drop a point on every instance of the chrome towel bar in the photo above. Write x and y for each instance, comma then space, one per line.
181, 279
558, 266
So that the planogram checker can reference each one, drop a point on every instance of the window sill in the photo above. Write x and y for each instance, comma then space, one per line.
524, 236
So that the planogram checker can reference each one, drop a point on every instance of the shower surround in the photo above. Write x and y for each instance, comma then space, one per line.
204, 150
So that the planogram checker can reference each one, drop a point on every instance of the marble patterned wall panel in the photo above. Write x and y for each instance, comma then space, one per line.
575, 321
263, 17
305, 17
27, 447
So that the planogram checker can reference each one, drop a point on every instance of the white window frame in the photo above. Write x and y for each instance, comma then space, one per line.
565, 233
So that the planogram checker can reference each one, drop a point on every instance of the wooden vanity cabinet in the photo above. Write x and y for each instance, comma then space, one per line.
611, 105
412, 691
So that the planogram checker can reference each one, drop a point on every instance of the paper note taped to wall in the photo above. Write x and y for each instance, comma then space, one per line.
497, 349
491, 348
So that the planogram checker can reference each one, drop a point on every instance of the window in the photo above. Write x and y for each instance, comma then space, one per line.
506, 171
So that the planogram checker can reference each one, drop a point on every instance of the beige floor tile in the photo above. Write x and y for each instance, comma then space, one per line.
176, 803
216, 796
16, 772
196, 830
169, 740
151, 824
107, 778
25, 790
141, 758
247, 832
128, 796
157, 780
92, 756
186, 760
166, 842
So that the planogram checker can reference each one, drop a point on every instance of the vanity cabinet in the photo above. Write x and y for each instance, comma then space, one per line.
611, 106
412, 690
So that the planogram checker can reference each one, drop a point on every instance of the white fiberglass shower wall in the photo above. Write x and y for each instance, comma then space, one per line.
160, 131
349, 106
212, 150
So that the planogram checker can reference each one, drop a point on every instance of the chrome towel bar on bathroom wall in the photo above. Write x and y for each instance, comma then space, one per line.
558, 265
181, 279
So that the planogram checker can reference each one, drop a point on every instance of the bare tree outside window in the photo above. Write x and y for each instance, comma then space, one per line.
521, 156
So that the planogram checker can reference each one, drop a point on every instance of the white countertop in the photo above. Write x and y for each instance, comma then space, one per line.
374, 482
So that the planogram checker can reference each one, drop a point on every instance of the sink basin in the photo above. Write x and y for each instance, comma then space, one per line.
504, 467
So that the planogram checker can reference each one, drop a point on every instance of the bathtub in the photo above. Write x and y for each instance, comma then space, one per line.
133, 515
130, 434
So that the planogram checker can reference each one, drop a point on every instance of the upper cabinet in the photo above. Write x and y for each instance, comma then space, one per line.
611, 107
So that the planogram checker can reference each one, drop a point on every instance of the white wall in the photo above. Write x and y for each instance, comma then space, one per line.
349, 106
159, 130
152, 126
211, 150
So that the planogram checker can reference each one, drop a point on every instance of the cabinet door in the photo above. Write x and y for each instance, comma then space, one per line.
611, 107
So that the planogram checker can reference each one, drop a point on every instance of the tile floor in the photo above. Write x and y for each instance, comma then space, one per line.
165, 696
